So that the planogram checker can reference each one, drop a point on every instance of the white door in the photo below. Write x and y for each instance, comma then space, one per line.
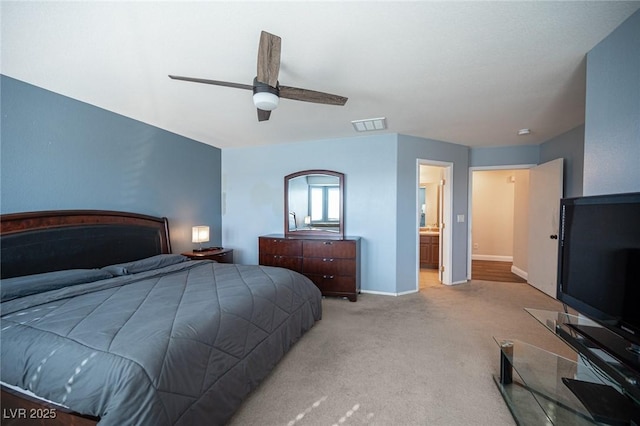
545, 192
441, 221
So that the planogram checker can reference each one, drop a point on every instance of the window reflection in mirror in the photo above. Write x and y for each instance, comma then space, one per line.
429, 206
314, 202
324, 202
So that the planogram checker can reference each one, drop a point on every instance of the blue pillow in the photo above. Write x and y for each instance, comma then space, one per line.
143, 265
12, 288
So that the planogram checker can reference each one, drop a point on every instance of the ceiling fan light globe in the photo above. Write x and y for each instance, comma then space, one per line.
265, 101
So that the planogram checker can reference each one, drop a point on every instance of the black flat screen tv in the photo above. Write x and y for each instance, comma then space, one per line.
599, 260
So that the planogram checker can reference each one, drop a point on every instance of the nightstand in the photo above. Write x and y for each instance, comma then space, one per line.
219, 255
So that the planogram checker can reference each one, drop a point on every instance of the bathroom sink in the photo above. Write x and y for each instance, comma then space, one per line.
429, 231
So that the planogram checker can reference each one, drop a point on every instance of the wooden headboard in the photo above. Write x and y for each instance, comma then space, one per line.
37, 242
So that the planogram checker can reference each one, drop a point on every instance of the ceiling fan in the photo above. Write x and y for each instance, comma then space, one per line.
266, 89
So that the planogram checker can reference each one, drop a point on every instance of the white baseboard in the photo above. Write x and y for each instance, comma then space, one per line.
519, 272
407, 292
384, 293
381, 293
456, 283
492, 257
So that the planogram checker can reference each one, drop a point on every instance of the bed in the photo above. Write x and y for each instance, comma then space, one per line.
101, 319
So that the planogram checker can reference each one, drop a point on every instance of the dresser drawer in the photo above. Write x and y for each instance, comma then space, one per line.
329, 266
225, 257
333, 283
279, 246
289, 262
329, 248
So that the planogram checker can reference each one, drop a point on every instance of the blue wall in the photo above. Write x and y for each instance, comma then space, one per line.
504, 156
59, 153
570, 147
410, 149
612, 126
253, 190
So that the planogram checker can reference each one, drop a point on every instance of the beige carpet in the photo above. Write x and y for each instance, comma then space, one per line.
421, 359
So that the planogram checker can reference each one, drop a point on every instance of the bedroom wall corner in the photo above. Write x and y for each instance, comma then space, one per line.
570, 147
411, 148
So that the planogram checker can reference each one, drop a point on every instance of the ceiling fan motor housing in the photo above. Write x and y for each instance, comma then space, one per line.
265, 97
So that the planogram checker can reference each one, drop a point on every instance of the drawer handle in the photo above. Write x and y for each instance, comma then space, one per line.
328, 243
330, 277
327, 260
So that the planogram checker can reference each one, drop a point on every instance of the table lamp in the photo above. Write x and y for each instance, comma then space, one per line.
200, 234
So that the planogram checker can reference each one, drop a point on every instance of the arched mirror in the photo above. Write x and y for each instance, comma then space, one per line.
313, 203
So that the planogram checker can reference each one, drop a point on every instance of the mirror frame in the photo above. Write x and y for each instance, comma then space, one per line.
318, 232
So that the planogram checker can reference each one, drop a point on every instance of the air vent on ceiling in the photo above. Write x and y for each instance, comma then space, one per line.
370, 124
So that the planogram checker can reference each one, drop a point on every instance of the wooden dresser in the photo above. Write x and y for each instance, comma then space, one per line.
332, 264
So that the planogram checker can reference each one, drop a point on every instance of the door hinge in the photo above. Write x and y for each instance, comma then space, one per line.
442, 268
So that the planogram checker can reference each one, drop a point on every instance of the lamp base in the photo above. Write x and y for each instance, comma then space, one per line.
198, 250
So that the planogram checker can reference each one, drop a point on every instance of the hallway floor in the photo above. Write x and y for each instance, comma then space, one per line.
487, 270
428, 278
482, 270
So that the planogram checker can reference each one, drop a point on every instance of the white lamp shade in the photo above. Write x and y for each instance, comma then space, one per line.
200, 234
266, 101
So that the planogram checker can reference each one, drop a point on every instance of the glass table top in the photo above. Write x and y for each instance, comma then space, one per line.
563, 325
540, 372
538, 395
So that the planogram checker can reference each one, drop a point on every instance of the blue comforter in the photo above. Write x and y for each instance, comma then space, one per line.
178, 345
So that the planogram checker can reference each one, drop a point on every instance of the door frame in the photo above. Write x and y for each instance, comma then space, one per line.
446, 246
470, 203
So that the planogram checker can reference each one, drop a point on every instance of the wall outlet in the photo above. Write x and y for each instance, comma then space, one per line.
476, 246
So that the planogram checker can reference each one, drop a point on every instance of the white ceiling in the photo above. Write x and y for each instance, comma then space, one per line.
471, 73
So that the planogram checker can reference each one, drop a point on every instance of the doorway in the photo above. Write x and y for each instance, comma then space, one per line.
498, 224
534, 246
433, 214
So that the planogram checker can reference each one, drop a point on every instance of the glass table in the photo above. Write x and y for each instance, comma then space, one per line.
531, 378
536, 394
566, 327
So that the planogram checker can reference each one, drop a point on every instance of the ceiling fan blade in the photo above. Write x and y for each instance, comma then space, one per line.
215, 82
311, 96
269, 58
263, 115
